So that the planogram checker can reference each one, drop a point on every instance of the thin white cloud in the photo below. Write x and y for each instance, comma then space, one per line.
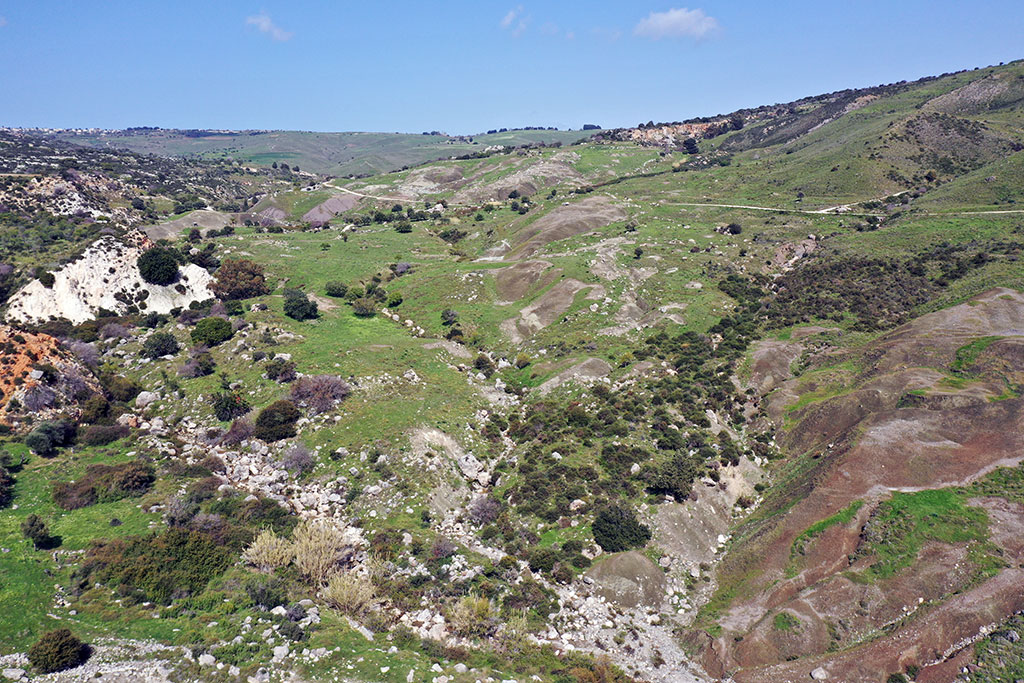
264, 24
676, 23
515, 22
3, 22
511, 16
549, 28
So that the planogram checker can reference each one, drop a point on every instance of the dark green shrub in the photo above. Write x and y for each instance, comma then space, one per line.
101, 435
228, 405
35, 529
95, 409
158, 266
281, 370
336, 288
6, 487
364, 308
47, 437
616, 529
211, 331
277, 421
57, 650
160, 344
298, 306
174, 563
122, 388
266, 592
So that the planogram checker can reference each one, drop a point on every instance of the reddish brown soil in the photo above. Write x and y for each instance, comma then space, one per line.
17, 358
866, 446
565, 221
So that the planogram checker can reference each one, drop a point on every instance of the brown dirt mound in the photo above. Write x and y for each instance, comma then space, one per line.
589, 214
516, 281
204, 219
629, 580
548, 308
591, 368
330, 208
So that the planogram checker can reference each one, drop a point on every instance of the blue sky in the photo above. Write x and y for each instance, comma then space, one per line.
464, 67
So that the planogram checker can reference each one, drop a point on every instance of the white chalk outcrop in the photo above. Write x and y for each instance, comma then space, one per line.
106, 276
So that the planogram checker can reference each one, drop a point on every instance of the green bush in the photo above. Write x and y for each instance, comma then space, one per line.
122, 388
101, 435
228, 405
364, 308
298, 306
161, 567
158, 266
277, 421
35, 529
57, 650
267, 592
47, 437
160, 344
616, 529
6, 487
281, 370
103, 484
211, 331
336, 289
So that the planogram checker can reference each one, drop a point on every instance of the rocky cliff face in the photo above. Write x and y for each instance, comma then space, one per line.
106, 276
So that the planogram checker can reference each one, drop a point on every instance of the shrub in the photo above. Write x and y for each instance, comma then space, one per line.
174, 563
318, 550
320, 393
336, 288
200, 364
349, 594
95, 408
160, 344
267, 592
241, 279
277, 421
114, 331
473, 617
298, 459
47, 437
484, 364
364, 307
268, 551
281, 370
211, 331
239, 431
616, 529
227, 405
158, 266
6, 487
57, 650
449, 317
298, 306
122, 388
35, 529
101, 435
484, 510
103, 484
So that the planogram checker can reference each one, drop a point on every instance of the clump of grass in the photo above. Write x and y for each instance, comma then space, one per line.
967, 354
784, 621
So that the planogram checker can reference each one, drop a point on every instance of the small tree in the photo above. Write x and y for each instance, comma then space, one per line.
158, 266
212, 331
298, 306
57, 651
690, 146
160, 344
277, 421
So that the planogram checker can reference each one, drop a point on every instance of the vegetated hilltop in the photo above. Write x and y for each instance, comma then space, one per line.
327, 153
604, 411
